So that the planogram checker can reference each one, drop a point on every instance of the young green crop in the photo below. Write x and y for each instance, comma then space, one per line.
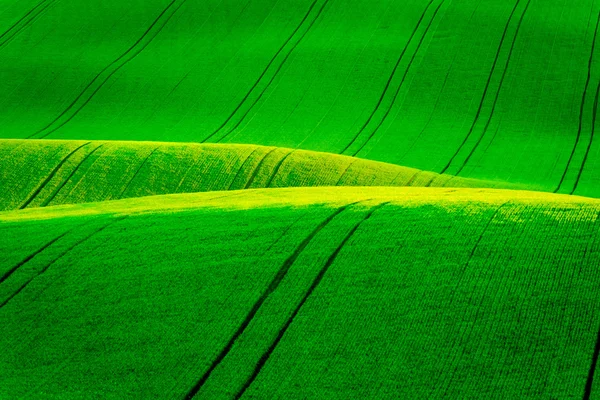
300, 293
501, 90
39, 173
345, 244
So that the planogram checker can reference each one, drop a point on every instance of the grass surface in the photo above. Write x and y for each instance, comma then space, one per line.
444, 86
38, 173
258, 295
393, 199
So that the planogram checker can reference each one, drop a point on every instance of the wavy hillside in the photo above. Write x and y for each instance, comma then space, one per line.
38, 173
307, 199
495, 89
302, 293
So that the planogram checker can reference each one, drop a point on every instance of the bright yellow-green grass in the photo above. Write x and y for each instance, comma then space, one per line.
36, 173
302, 293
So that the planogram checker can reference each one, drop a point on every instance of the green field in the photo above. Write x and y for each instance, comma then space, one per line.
299, 199
39, 173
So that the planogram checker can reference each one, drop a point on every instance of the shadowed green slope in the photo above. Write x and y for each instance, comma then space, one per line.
495, 89
302, 293
47, 172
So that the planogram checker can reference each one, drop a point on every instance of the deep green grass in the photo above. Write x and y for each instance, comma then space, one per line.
492, 90
39, 173
338, 293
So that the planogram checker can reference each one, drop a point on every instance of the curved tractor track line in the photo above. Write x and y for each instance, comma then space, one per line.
489, 120
51, 175
239, 105
239, 172
444, 85
64, 253
587, 393
64, 182
273, 285
99, 80
277, 168
137, 171
401, 85
24, 22
258, 167
485, 90
275, 75
343, 174
589, 146
30, 257
390, 78
448, 381
478, 242
265, 357
581, 108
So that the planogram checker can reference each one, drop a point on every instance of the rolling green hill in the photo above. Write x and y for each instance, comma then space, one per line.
47, 172
440, 85
299, 199
302, 293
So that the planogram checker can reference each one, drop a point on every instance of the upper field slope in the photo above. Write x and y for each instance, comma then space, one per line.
38, 173
494, 89
302, 293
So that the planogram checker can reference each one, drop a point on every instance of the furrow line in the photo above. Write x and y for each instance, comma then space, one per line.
413, 178
241, 169
581, 107
390, 78
478, 242
486, 88
50, 176
485, 229
589, 146
62, 185
345, 172
283, 234
187, 172
43, 270
429, 182
439, 95
239, 105
255, 172
590, 377
319, 13
18, 26
489, 120
277, 168
98, 82
30, 257
410, 63
137, 171
265, 357
281, 273
448, 379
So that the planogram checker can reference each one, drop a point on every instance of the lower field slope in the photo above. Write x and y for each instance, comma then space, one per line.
302, 293
37, 173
